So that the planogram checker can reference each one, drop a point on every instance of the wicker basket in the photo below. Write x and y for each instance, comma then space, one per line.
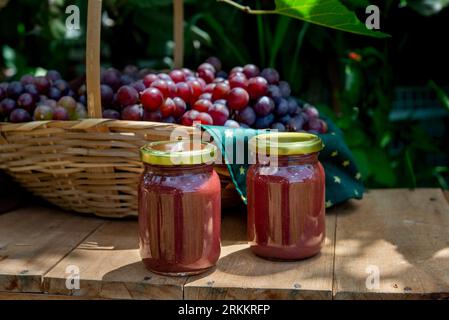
89, 166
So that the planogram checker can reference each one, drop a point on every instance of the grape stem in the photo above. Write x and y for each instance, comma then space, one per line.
246, 9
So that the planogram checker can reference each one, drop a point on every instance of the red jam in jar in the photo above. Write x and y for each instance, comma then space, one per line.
179, 208
286, 200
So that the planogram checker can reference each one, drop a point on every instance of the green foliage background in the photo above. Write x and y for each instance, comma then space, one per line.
358, 94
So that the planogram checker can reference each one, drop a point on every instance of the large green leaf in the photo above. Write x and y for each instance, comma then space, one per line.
328, 13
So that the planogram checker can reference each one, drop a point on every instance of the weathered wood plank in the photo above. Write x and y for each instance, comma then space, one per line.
401, 233
241, 275
446, 194
110, 267
33, 240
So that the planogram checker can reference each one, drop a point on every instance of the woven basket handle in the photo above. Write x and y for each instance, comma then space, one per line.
93, 51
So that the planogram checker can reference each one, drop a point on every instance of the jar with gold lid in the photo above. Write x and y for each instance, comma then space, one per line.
286, 200
179, 208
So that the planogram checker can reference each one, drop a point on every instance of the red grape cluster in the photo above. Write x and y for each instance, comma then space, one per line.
246, 97
46, 97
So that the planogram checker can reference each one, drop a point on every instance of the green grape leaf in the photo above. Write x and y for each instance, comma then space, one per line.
327, 13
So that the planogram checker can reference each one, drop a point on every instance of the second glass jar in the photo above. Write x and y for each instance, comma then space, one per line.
286, 201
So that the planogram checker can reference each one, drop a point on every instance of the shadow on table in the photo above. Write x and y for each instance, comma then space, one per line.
136, 272
404, 233
245, 263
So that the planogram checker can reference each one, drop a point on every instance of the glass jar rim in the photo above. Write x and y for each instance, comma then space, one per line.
178, 153
286, 143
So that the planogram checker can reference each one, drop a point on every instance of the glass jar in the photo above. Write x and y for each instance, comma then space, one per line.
179, 208
286, 200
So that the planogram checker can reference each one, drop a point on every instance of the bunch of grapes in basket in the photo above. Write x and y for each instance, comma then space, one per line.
244, 97
46, 97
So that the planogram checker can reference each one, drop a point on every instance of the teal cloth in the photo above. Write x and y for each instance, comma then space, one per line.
343, 179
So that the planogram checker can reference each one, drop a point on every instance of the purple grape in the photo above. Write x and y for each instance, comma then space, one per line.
314, 124
278, 126
139, 86
271, 75
49, 102
264, 106
15, 89
27, 79
293, 107
71, 93
7, 106
19, 115
126, 80
180, 107
285, 119
127, 96
274, 92
303, 115
83, 100
282, 107
54, 93
284, 87
215, 62
232, 124
264, 122
61, 114
295, 124
43, 113
251, 71
31, 89
62, 86
111, 114
133, 113
42, 84
222, 74
107, 95
53, 75
247, 116
111, 77
311, 111
152, 116
27, 102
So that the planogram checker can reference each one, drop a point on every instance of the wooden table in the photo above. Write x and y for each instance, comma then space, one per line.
394, 244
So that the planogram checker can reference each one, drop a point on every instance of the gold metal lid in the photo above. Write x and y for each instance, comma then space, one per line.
175, 153
286, 143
